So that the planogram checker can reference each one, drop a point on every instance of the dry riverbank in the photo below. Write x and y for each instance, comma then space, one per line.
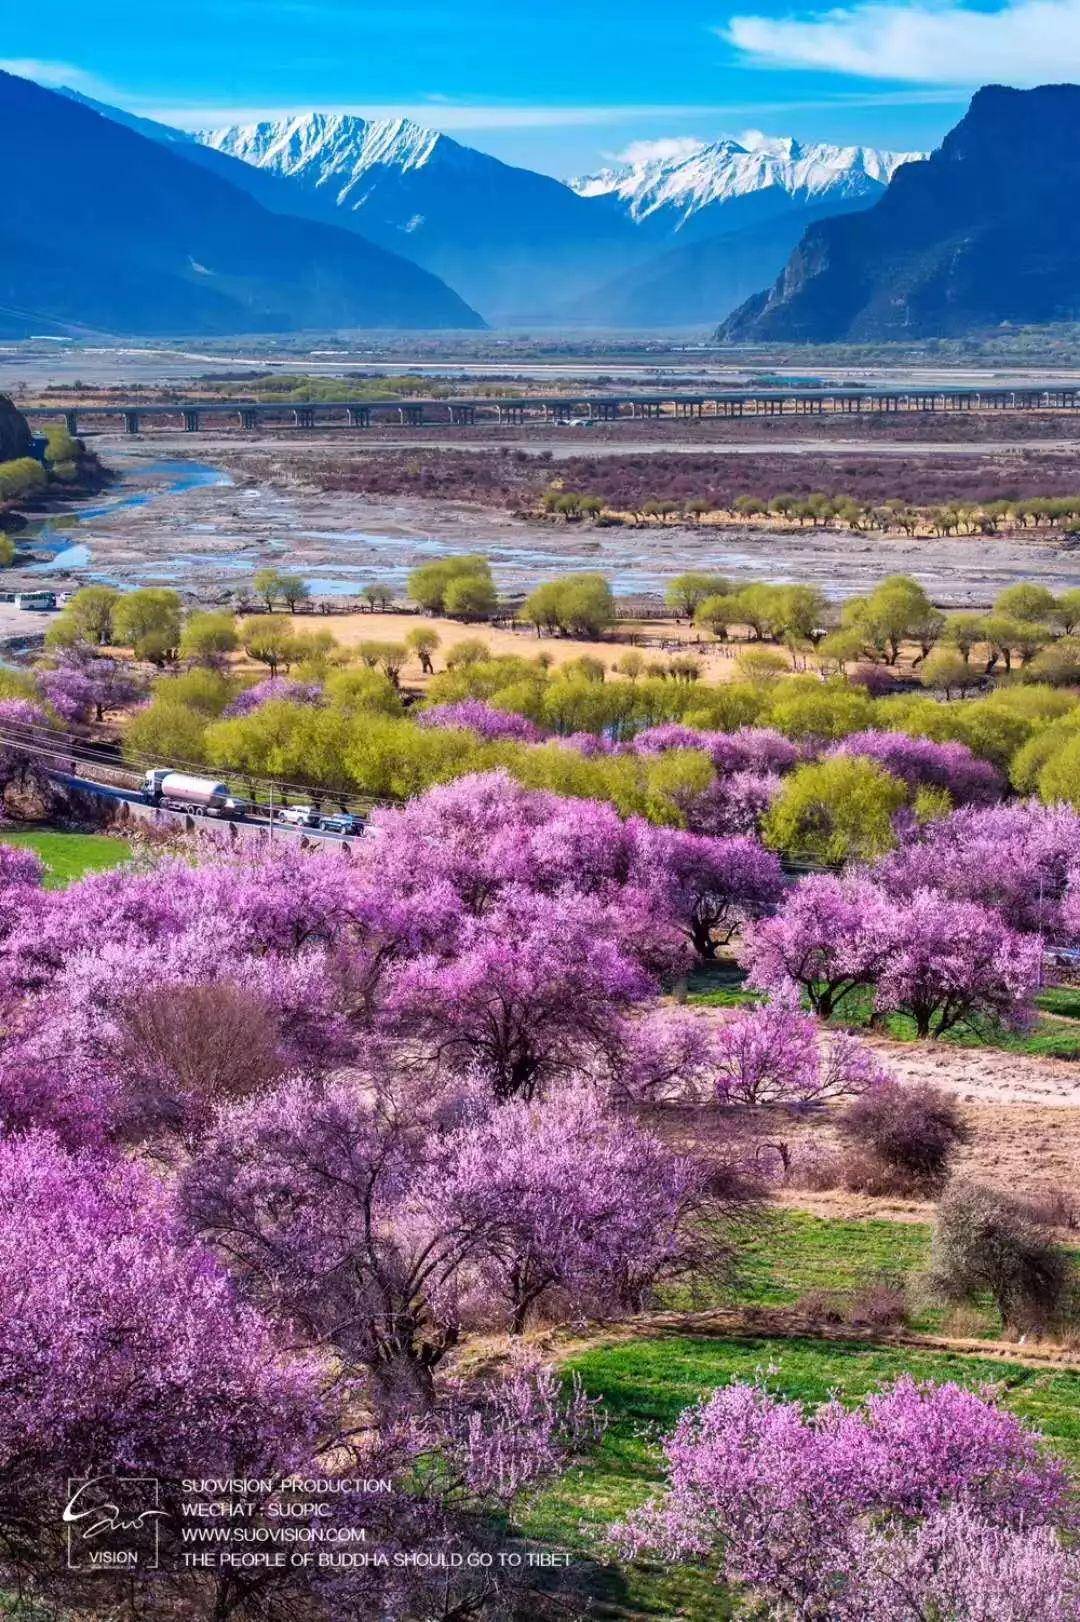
251, 506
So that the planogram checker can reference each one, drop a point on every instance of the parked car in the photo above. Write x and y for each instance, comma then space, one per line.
342, 822
298, 816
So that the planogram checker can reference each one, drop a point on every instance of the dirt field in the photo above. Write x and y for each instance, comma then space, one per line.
654, 639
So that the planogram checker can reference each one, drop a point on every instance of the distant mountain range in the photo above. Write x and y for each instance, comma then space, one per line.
979, 233
727, 216
523, 247
333, 221
515, 244
103, 229
707, 191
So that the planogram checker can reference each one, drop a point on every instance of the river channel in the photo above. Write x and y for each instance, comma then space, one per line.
205, 527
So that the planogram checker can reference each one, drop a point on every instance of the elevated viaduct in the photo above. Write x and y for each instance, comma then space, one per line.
200, 415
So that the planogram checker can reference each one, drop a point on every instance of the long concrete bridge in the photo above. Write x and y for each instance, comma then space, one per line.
197, 415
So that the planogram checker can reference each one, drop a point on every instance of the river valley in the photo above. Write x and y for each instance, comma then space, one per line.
205, 525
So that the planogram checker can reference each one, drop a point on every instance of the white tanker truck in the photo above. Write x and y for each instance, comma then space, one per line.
199, 796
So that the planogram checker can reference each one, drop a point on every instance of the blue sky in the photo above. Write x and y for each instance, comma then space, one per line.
562, 85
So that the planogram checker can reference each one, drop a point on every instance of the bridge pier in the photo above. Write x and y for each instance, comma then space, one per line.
249, 419
191, 422
359, 416
463, 415
412, 416
131, 422
304, 417
71, 422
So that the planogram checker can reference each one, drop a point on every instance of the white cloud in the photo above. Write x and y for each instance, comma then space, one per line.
666, 149
1024, 43
52, 74
443, 115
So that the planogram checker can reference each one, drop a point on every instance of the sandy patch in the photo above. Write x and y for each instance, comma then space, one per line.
654, 639
983, 1075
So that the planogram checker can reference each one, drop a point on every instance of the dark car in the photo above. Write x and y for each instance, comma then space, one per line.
342, 822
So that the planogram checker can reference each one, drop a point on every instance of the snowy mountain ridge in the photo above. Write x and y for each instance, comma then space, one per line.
329, 149
676, 188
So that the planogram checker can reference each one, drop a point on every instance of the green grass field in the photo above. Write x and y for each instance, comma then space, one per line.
67, 856
792, 1253
719, 985
1055, 1034
1049, 1038
645, 1384
1063, 1000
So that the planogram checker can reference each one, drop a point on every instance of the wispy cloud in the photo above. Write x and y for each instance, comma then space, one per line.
1024, 43
446, 115
52, 74
459, 118
663, 150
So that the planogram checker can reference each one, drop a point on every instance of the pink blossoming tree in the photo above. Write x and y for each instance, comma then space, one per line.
795, 1507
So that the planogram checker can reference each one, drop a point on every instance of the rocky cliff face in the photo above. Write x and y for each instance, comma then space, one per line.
15, 435
982, 232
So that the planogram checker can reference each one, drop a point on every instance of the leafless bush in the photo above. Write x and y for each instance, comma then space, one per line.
822, 1307
192, 1046
864, 1172
985, 1241
626, 481
1054, 1207
814, 1166
912, 1132
880, 1304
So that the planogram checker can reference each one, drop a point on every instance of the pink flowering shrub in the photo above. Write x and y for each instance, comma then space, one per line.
276, 689
533, 993
154, 1365
795, 1507
82, 683
750, 749
710, 886
482, 718
954, 962
754, 1058
588, 744
831, 936
776, 1055
957, 1564
731, 805
411, 1214
920, 762
550, 1184
23, 714
1015, 858
944, 962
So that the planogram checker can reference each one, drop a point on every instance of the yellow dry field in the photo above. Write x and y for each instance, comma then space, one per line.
654, 639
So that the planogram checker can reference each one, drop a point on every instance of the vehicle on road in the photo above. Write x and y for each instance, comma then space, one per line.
298, 816
343, 822
198, 796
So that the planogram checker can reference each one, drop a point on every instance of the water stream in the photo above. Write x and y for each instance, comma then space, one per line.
50, 539
350, 558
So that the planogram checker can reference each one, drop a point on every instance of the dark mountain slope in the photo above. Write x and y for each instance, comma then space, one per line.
689, 284
103, 228
984, 231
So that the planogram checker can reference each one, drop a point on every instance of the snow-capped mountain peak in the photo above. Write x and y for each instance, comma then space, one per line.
328, 149
678, 186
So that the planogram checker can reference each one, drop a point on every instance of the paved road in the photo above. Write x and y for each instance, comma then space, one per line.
585, 443
246, 827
